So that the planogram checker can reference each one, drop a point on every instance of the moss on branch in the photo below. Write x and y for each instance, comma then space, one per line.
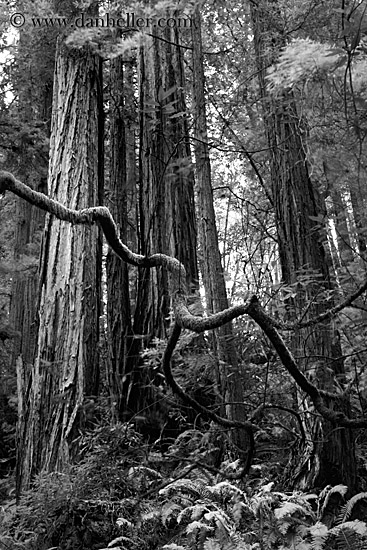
183, 317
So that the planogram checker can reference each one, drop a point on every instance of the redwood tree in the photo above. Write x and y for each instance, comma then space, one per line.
65, 370
166, 192
327, 455
32, 80
118, 296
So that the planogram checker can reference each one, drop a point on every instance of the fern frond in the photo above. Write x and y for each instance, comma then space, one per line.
152, 514
289, 508
184, 485
238, 510
347, 509
221, 519
285, 525
199, 525
349, 536
169, 511
319, 533
192, 513
225, 489
206, 493
263, 503
358, 526
119, 540
340, 489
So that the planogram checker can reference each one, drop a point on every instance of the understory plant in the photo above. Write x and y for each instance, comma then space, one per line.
124, 495
221, 516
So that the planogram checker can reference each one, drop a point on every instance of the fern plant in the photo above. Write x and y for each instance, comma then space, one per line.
223, 517
327, 528
204, 515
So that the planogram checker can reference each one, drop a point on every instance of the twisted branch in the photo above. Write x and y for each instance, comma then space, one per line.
183, 317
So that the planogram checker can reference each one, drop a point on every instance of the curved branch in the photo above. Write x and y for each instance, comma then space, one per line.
326, 315
183, 318
103, 217
225, 422
337, 418
87, 216
261, 408
178, 390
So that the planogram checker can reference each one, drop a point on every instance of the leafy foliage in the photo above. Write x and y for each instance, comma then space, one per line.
117, 495
303, 59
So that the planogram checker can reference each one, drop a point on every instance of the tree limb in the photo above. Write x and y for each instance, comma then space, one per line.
183, 317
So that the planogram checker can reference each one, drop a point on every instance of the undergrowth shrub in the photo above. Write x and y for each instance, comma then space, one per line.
79, 509
123, 496
221, 516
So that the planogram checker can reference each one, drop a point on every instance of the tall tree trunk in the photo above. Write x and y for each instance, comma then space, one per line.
166, 201
230, 376
34, 109
66, 365
167, 215
118, 298
327, 455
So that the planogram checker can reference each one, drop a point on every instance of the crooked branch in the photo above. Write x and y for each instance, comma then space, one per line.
183, 317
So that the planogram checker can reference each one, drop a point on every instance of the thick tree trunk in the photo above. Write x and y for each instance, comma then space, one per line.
66, 366
24, 291
328, 454
230, 376
167, 215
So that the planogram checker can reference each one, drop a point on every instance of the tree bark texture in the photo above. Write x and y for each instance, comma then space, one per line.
167, 213
66, 365
118, 298
166, 198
